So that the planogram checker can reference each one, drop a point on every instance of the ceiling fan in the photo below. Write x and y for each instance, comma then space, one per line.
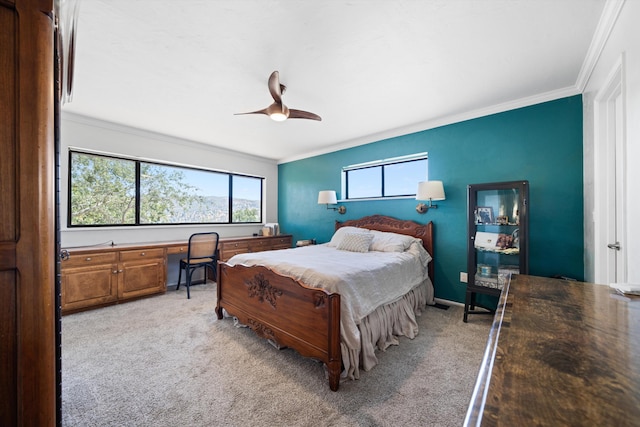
278, 111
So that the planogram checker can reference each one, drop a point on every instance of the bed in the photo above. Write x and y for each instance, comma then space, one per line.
309, 299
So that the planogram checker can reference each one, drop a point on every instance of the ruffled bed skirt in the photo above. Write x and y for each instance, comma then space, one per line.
382, 328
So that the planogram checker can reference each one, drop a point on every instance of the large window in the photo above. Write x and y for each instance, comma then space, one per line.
397, 177
105, 190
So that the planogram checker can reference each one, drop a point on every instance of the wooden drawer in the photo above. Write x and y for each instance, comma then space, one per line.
225, 255
260, 245
281, 242
89, 259
141, 254
183, 249
235, 245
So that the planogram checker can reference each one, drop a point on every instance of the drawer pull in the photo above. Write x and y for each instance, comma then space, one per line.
120, 271
115, 271
88, 258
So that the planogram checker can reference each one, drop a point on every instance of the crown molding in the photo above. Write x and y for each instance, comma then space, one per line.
605, 26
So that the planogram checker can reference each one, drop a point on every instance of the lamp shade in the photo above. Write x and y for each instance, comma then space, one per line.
430, 190
327, 197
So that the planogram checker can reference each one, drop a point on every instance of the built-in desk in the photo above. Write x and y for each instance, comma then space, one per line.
95, 276
560, 353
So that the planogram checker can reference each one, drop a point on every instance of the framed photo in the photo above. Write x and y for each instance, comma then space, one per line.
484, 215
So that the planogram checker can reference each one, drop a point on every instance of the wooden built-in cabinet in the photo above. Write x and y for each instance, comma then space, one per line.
98, 276
89, 279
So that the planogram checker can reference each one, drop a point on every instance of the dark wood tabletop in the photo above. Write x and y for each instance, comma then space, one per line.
560, 353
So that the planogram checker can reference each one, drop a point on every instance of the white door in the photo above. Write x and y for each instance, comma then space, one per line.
610, 185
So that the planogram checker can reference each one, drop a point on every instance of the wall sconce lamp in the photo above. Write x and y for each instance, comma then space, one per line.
429, 190
328, 197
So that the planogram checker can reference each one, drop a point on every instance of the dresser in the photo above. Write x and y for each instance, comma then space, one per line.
96, 276
560, 353
229, 247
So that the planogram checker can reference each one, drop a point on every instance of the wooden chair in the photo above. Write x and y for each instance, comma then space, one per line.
202, 253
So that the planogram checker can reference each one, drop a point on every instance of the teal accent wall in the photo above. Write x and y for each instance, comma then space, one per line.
540, 143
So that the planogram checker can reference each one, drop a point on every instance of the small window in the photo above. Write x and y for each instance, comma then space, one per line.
396, 177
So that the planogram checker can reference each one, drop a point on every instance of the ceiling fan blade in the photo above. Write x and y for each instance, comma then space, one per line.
263, 111
275, 87
299, 114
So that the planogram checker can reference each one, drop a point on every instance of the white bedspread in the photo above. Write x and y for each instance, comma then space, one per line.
364, 281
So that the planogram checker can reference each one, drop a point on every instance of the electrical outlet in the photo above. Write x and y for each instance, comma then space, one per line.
463, 277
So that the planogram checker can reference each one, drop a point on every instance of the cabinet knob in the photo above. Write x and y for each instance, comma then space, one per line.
115, 271
88, 258
120, 271
142, 254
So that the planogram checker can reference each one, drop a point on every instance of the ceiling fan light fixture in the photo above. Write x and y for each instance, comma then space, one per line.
278, 117
278, 112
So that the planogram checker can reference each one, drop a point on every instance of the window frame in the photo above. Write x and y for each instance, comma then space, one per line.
381, 164
138, 162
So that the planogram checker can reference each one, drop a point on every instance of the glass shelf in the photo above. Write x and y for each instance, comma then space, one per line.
507, 251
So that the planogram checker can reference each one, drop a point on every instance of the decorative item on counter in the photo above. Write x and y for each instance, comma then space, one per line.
502, 220
484, 270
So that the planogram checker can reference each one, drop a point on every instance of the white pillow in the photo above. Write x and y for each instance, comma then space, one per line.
340, 233
390, 242
356, 242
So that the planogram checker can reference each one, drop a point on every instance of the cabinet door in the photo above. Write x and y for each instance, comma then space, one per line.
139, 278
498, 231
89, 286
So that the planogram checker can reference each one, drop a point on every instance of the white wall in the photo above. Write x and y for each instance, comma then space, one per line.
82, 132
624, 41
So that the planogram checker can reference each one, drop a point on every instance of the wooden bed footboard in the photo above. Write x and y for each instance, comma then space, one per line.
284, 310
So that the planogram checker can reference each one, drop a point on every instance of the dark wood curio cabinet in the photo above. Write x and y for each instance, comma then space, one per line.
497, 239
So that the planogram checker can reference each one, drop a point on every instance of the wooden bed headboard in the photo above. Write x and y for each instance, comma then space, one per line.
386, 223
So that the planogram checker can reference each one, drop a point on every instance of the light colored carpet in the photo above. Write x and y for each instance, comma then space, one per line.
167, 361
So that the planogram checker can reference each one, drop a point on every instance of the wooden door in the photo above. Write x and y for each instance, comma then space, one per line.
27, 221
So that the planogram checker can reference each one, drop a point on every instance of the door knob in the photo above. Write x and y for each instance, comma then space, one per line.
615, 246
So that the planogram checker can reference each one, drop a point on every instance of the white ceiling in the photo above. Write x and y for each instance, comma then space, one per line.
370, 68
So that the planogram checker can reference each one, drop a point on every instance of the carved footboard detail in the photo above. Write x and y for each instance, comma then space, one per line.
284, 310
260, 287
